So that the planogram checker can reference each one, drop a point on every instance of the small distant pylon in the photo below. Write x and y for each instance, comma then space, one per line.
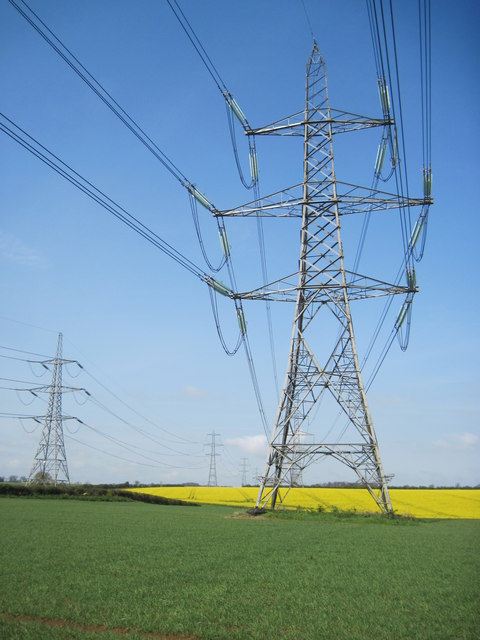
50, 462
212, 474
244, 469
296, 471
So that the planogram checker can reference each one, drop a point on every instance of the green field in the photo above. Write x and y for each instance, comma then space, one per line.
81, 569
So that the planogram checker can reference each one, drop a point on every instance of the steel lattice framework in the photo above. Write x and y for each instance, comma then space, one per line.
322, 286
212, 473
50, 461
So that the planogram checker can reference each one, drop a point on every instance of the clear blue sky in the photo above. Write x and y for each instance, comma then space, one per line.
140, 325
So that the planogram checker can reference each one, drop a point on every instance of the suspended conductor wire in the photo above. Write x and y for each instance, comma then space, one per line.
131, 124
79, 370
406, 227
424, 19
20, 419
70, 430
76, 396
231, 127
191, 35
28, 353
308, 21
29, 362
187, 27
18, 394
128, 447
107, 453
253, 375
139, 430
382, 61
43, 371
383, 317
100, 91
381, 359
2, 355
244, 338
402, 179
98, 196
18, 381
170, 433
214, 304
196, 222
232, 108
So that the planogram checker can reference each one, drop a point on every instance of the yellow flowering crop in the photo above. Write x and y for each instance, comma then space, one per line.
422, 503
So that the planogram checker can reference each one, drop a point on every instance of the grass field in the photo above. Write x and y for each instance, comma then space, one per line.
74, 569
427, 503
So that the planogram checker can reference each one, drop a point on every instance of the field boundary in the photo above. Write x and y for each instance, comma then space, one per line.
90, 628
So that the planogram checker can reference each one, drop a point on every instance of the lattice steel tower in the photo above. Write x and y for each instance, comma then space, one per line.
50, 462
212, 474
323, 289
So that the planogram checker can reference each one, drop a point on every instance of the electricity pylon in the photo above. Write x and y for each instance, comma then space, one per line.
212, 474
323, 287
244, 469
50, 462
296, 471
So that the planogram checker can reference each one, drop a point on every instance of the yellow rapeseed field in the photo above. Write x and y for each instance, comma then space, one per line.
422, 503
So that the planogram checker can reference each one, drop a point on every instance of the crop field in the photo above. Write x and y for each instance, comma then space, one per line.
78, 569
421, 503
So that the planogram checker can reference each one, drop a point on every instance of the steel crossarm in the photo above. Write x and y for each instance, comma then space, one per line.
340, 122
358, 287
47, 389
350, 199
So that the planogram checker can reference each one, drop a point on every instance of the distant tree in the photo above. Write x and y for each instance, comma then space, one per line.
42, 477
12, 479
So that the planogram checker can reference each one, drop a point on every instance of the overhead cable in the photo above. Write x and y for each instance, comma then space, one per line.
30, 353
79, 182
233, 109
122, 401
41, 28
50, 159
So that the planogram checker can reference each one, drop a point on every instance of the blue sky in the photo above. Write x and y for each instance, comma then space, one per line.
142, 326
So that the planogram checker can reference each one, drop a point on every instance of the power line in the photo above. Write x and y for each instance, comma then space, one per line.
50, 159
140, 415
108, 453
30, 353
233, 109
136, 428
307, 17
128, 447
34, 390
99, 197
99, 90
191, 35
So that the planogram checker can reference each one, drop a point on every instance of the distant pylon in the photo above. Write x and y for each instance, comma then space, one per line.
50, 462
212, 474
296, 471
244, 469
